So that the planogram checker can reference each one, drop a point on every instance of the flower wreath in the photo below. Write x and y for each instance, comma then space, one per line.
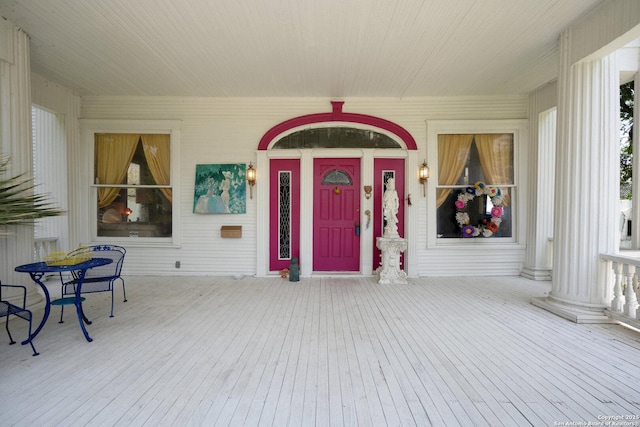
488, 226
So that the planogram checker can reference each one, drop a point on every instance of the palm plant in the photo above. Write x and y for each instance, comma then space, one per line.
19, 205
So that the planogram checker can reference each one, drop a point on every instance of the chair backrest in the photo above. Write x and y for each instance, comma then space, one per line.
15, 292
9, 289
113, 252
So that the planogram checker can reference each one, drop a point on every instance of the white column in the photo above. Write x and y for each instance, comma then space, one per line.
412, 218
15, 142
306, 213
366, 234
537, 263
261, 196
587, 187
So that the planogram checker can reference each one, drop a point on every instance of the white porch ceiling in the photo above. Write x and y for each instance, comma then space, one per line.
311, 48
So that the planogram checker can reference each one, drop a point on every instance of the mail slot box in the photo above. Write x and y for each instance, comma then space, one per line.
231, 231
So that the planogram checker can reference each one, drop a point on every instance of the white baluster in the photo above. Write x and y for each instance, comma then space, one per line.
637, 292
43, 246
39, 244
631, 301
618, 298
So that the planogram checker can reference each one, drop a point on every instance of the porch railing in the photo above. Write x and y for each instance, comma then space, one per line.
623, 280
42, 246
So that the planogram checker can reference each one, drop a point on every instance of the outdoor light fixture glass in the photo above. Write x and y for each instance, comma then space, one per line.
251, 178
423, 176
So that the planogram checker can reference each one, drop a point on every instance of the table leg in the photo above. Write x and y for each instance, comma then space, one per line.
47, 308
84, 316
81, 320
81, 317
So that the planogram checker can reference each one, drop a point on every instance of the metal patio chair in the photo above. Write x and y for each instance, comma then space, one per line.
98, 279
8, 309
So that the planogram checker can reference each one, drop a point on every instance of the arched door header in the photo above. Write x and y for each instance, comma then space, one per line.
337, 116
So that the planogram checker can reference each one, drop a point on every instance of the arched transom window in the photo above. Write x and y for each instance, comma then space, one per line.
335, 137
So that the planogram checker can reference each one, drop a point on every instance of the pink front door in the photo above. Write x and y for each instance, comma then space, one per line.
336, 214
383, 169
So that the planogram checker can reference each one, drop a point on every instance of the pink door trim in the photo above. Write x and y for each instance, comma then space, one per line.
337, 115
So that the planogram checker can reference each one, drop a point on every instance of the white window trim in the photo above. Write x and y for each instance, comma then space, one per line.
89, 127
519, 129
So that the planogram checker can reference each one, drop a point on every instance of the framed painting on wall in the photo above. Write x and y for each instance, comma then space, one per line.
220, 189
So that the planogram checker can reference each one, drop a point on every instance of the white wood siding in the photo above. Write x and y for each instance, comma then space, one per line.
66, 105
50, 172
227, 130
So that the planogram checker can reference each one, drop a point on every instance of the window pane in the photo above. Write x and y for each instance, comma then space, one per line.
284, 215
336, 177
335, 137
479, 211
463, 160
496, 157
468, 158
115, 154
136, 212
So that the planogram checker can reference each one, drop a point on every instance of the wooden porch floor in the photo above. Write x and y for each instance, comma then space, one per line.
323, 351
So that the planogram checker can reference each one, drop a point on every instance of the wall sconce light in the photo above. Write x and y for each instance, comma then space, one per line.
367, 191
423, 176
251, 178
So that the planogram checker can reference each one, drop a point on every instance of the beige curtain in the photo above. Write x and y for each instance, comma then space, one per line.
157, 153
496, 160
114, 152
453, 151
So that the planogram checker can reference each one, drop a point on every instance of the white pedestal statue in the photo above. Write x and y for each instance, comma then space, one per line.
389, 272
391, 245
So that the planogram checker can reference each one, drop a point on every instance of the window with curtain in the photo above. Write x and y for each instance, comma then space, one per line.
134, 194
463, 161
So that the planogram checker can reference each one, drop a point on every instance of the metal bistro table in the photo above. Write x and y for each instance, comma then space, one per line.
38, 269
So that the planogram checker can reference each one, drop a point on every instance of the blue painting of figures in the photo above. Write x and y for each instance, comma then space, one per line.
220, 189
